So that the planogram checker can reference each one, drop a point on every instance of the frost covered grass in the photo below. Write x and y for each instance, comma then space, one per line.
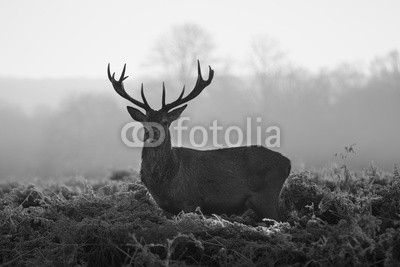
334, 217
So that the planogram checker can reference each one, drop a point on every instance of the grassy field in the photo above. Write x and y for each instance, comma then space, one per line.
334, 217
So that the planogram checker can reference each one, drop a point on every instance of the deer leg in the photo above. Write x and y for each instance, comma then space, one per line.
265, 202
265, 209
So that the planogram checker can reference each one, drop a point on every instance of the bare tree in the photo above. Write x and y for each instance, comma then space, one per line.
178, 50
386, 65
266, 60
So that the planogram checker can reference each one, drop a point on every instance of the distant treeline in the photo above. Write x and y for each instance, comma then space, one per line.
319, 114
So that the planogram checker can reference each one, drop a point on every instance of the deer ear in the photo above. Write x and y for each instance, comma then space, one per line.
136, 114
174, 114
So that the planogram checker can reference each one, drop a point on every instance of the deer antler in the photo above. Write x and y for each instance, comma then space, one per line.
119, 88
198, 88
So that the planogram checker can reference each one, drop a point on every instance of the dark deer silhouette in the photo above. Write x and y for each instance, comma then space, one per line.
222, 181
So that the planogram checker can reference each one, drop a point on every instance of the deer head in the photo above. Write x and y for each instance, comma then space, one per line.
168, 112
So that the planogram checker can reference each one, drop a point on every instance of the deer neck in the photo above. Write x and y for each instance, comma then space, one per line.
158, 164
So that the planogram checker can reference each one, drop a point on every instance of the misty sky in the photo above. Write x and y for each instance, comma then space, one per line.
54, 55
57, 39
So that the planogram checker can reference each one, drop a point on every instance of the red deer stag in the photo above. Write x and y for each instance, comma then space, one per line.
222, 181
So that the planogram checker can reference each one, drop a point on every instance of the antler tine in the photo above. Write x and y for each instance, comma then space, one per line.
144, 98
109, 72
201, 83
163, 95
183, 92
121, 78
198, 88
120, 89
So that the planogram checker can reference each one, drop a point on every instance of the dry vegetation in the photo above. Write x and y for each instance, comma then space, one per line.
333, 218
